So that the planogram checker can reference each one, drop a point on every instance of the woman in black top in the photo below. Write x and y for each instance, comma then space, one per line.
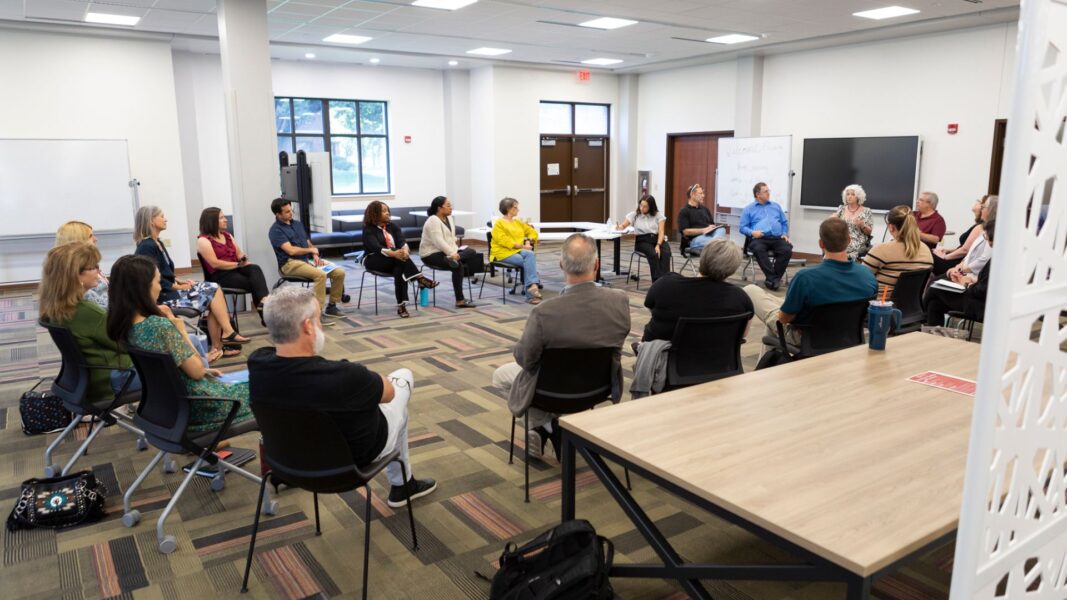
185, 293
388, 252
971, 301
674, 296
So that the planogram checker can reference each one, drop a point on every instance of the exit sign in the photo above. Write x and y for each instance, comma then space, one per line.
584, 75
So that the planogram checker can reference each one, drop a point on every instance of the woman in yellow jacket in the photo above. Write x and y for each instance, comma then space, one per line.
513, 243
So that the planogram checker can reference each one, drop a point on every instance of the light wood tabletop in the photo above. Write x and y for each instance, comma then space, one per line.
839, 453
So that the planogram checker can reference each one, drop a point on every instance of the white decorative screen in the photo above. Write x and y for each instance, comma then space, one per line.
1012, 540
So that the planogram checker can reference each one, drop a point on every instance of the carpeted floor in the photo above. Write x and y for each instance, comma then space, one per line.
459, 430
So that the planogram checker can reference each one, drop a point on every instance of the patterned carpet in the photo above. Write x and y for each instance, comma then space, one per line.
459, 431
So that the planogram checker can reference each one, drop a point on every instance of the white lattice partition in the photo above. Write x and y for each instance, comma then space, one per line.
1012, 540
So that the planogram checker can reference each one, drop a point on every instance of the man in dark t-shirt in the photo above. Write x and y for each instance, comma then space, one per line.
369, 409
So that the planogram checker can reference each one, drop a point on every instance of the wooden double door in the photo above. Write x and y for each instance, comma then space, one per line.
574, 178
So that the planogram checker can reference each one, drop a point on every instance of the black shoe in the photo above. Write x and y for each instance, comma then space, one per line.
417, 487
771, 284
535, 441
557, 437
333, 311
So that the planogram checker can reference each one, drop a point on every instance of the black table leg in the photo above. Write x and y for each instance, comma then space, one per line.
859, 588
566, 458
599, 278
618, 255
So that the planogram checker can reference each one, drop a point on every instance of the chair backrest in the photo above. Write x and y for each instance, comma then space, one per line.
305, 448
571, 380
833, 327
208, 276
165, 408
706, 348
72, 383
908, 295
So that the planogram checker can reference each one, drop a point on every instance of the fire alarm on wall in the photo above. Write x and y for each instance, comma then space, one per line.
407, 139
953, 128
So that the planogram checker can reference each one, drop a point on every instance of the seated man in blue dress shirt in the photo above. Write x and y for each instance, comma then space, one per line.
835, 279
764, 222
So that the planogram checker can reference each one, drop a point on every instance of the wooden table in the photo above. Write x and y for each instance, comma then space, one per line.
837, 459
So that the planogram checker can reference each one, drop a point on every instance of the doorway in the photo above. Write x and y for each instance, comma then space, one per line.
1000, 132
574, 178
691, 158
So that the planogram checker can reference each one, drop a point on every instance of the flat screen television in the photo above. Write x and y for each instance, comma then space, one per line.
886, 167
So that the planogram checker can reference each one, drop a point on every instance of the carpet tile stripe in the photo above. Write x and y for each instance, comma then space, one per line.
326, 583
425, 439
456, 344
431, 548
356, 500
28, 544
465, 433
552, 490
485, 329
245, 529
69, 577
485, 516
127, 562
287, 573
107, 581
672, 525
441, 364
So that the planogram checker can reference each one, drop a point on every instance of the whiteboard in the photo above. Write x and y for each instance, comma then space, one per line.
745, 161
45, 183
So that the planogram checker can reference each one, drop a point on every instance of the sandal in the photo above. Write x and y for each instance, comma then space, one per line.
213, 355
402, 312
427, 283
534, 292
235, 338
534, 300
229, 351
466, 304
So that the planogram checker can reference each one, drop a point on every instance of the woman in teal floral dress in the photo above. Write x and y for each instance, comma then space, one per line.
134, 318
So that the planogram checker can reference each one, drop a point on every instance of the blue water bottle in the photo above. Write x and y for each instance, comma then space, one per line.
424, 297
881, 318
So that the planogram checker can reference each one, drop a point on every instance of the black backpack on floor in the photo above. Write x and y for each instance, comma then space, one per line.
569, 561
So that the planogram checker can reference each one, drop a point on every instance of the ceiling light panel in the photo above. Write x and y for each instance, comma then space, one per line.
889, 12
485, 51
344, 38
443, 4
110, 19
601, 62
607, 23
733, 38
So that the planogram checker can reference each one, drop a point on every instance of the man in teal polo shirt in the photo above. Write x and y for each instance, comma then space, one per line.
835, 279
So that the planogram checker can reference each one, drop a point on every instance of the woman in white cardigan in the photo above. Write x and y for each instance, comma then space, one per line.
438, 246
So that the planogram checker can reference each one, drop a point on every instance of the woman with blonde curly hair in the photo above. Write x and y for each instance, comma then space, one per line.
859, 219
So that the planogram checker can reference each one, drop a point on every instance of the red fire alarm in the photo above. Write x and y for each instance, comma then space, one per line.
953, 128
584, 75
407, 139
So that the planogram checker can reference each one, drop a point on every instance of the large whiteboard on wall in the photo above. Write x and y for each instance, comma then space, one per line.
745, 161
45, 183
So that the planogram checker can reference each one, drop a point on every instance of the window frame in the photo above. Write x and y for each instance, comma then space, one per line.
327, 136
572, 105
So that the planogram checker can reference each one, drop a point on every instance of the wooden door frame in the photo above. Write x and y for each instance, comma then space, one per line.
996, 159
668, 179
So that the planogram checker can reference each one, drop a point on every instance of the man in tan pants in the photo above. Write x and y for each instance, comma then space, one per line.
298, 257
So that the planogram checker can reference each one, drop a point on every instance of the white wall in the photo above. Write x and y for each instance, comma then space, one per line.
900, 87
681, 101
75, 87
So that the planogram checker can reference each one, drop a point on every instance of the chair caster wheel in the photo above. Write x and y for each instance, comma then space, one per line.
346, 298
168, 544
270, 508
51, 470
169, 466
218, 483
131, 518
142, 444
634, 278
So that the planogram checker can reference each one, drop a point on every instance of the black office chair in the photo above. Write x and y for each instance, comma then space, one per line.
966, 320
750, 263
518, 274
705, 349
683, 250
433, 277
380, 274
164, 416
570, 380
908, 297
231, 295
305, 449
831, 327
72, 387
635, 275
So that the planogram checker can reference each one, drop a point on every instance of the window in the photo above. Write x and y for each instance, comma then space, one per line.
571, 118
354, 132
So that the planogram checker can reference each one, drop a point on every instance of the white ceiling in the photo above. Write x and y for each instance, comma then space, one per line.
542, 32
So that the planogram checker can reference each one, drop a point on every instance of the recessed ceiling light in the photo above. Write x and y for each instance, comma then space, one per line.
601, 62
375, 61
344, 38
443, 4
453, 63
733, 38
885, 13
607, 23
109, 19
488, 51
309, 55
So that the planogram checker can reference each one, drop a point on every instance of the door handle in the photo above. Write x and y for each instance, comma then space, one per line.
577, 189
566, 189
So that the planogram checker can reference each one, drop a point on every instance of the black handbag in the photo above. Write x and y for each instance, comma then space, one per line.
42, 412
473, 260
58, 502
569, 561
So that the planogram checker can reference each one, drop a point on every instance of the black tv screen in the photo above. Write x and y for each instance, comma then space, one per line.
886, 167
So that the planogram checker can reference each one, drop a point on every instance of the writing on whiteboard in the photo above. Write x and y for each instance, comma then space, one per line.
745, 161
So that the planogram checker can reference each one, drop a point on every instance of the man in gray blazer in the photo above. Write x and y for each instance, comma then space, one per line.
584, 315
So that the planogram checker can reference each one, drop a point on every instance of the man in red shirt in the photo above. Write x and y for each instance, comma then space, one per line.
931, 223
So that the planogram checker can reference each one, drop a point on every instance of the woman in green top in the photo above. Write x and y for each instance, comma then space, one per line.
134, 318
70, 270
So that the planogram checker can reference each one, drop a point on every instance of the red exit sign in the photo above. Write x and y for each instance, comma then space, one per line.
584, 75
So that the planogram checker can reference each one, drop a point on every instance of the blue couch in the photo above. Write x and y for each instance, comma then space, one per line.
350, 235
